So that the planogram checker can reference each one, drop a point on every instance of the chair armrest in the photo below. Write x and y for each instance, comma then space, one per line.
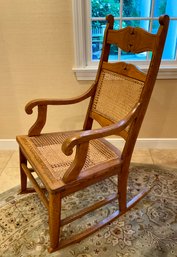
44, 102
87, 135
42, 108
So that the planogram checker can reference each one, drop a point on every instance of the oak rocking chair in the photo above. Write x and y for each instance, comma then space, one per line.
66, 162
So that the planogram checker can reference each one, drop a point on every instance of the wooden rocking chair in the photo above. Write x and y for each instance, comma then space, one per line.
66, 162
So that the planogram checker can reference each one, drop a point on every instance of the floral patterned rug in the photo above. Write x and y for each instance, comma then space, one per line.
149, 229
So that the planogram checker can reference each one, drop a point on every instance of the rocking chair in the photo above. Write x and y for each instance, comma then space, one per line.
66, 162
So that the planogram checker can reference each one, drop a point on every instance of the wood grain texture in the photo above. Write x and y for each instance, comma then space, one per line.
132, 40
126, 69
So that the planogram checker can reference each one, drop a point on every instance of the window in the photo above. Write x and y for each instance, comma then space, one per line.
89, 20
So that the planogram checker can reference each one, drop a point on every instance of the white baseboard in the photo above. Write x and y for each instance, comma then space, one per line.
155, 143
8, 144
158, 143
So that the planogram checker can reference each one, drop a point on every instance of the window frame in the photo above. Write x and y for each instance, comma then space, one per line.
87, 71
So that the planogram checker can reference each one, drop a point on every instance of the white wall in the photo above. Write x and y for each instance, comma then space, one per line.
36, 60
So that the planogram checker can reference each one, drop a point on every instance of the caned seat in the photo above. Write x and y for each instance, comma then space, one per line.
46, 150
66, 162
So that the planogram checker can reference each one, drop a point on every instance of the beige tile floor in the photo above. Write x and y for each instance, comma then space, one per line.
9, 167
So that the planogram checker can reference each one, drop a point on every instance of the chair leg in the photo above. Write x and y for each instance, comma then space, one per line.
23, 176
54, 220
122, 192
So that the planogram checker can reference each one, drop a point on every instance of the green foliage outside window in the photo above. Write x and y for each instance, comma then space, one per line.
101, 8
130, 8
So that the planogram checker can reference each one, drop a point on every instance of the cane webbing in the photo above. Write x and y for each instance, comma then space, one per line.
116, 95
47, 148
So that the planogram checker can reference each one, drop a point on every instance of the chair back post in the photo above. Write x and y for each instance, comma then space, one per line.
106, 47
148, 87
104, 57
156, 57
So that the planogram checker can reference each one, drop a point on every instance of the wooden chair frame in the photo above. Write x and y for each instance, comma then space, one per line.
130, 39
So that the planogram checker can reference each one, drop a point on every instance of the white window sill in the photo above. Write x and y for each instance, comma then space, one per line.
89, 72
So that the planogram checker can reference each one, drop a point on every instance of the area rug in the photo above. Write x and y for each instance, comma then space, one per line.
149, 229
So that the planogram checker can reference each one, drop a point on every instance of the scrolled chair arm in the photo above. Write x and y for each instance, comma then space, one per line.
42, 108
44, 102
81, 141
87, 135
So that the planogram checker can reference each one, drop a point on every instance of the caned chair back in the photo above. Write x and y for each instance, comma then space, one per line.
120, 86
